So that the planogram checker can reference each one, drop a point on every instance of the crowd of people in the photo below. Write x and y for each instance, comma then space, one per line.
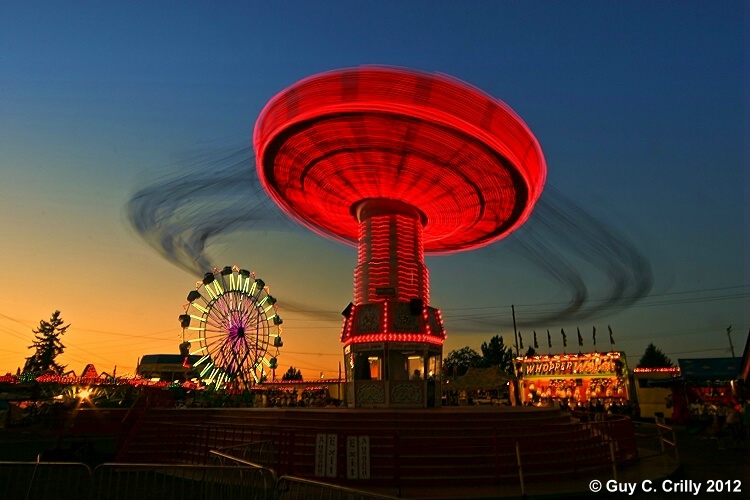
313, 398
728, 423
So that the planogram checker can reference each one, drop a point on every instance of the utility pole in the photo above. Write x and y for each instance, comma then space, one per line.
729, 336
515, 331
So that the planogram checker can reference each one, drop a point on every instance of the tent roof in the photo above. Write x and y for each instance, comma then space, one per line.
481, 378
710, 368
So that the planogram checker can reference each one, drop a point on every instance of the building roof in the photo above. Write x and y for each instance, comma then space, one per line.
710, 368
165, 359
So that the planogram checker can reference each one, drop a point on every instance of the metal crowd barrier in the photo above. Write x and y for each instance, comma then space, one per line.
44, 480
295, 488
230, 478
657, 439
177, 482
73, 481
262, 453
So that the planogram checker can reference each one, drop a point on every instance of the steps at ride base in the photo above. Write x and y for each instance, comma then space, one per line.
451, 445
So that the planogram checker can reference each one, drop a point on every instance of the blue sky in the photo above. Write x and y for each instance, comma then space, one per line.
639, 108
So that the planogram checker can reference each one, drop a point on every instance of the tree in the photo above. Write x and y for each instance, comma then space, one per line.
496, 353
458, 362
47, 345
292, 374
654, 358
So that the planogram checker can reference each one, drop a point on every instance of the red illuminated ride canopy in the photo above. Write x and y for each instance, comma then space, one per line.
465, 161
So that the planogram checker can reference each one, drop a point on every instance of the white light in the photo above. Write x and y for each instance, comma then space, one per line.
208, 367
200, 308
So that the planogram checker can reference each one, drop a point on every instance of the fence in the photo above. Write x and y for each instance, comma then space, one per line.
290, 487
207, 466
231, 478
419, 457
72, 481
41, 481
657, 440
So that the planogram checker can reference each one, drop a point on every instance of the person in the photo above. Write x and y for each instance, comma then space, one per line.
417, 375
734, 424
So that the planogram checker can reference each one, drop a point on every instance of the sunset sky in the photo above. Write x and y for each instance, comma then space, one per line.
639, 108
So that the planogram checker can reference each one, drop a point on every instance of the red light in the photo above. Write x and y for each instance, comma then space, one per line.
399, 163
394, 337
464, 159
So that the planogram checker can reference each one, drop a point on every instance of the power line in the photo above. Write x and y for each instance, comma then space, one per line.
593, 301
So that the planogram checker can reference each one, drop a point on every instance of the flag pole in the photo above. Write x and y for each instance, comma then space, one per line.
515, 331
729, 336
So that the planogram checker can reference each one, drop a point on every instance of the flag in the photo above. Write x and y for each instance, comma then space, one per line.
580, 339
549, 340
536, 344
611, 339
594, 335
520, 341
565, 339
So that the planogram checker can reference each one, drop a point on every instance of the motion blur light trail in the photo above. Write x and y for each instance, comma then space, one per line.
218, 193
567, 243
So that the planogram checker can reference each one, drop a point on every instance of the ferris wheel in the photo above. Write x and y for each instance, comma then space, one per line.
232, 322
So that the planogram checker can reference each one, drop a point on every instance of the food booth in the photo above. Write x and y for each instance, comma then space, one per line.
578, 381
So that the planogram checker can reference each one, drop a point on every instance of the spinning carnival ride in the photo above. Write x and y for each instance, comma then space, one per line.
399, 163
231, 321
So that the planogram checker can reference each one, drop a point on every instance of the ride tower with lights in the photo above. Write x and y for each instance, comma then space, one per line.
398, 163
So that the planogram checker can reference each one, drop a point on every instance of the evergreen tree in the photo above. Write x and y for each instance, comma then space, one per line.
496, 353
458, 362
292, 374
47, 345
654, 358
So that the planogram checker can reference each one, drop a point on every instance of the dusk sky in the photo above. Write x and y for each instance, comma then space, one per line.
639, 108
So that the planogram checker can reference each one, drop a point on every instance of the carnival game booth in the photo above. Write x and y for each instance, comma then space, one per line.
653, 390
593, 380
709, 387
168, 367
301, 393
480, 386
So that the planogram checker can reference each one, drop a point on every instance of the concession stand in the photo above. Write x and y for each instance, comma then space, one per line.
575, 380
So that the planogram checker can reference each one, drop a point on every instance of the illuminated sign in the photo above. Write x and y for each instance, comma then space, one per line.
669, 369
611, 363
